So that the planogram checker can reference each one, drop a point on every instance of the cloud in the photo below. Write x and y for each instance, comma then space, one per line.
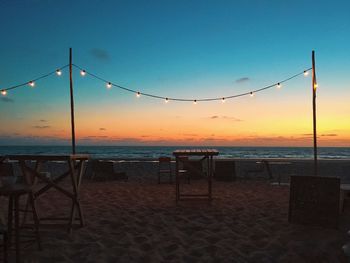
102, 129
100, 54
231, 118
241, 80
6, 99
41, 126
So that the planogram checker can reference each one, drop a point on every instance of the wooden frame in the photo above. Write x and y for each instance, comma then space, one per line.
314, 200
207, 155
76, 164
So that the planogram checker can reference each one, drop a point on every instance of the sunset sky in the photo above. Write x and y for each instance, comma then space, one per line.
187, 49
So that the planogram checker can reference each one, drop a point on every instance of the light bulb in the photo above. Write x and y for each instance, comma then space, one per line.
138, 94
223, 100
83, 73
58, 72
306, 73
195, 102
166, 100
31, 83
316, 85
251, 94
279, 85
109, 85
4, 92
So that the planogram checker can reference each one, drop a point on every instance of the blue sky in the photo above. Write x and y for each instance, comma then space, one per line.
171, 48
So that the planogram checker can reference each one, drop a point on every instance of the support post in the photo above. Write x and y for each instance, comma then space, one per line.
71, 100
314, 88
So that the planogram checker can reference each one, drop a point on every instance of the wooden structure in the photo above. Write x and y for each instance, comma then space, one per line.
314, 200
207, 155
164, 168
14, 193
314, 89
76, 164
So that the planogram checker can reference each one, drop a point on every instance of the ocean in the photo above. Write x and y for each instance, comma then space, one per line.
151, 152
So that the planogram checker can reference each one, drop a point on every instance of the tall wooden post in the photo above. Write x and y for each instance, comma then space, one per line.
314, 88
71, 100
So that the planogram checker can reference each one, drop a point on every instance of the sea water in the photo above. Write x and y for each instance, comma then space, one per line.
150, 152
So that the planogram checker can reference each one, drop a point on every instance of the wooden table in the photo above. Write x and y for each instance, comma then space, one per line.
206, 154
75, 171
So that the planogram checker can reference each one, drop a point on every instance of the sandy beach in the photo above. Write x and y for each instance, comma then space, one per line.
139, 221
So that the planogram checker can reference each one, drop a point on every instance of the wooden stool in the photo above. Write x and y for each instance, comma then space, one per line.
14, 193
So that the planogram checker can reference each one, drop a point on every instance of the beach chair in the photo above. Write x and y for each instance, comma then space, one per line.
314, 200
164, 168
104, 170
225, 170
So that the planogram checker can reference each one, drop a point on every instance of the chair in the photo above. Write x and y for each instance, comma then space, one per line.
14, 193
164, 168
314, 200
182, 168
225, 170
104, 170
259, 168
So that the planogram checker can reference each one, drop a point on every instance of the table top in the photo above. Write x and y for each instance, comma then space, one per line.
196, 152
39, 157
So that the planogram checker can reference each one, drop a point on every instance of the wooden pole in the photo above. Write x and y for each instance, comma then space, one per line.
71, 100
314, 88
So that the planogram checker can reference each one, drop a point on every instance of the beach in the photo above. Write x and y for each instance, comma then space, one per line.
139, 221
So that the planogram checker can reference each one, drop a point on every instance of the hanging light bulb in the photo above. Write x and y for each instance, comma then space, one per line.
166, 100
251, 94
195, 102
109, 85
58, 72
138, 94
316, 85
83, 73
279, 85
3, 92
31, 83
306, 73
223, 100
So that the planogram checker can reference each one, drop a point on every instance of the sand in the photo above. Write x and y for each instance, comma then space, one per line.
138, 221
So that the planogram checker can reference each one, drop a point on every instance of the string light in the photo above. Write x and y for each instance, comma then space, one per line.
58, 72
3, 92
109, 85
83, 73
31, 83
251, 93
306, 73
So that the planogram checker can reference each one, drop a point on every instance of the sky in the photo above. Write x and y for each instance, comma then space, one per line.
184, 49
